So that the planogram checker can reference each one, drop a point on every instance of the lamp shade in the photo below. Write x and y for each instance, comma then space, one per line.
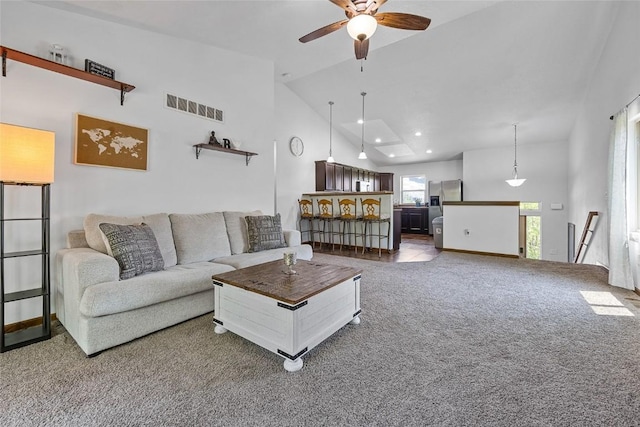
26, 155
515, 182
361, 27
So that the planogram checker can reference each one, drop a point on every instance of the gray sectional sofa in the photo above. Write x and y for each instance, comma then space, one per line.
100, 310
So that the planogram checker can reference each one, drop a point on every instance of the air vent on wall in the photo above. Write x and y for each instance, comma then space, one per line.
175, 102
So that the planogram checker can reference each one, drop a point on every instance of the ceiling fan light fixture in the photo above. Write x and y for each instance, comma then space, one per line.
362, 26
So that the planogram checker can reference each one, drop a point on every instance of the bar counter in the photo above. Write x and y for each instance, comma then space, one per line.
386, 209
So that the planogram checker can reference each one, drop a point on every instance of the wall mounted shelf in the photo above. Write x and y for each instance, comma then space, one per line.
215, 147
62, 69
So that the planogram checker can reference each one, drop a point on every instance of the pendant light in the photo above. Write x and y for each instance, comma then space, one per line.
330, 158
515, 181
363, 155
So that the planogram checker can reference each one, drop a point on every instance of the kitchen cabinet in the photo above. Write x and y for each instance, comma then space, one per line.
347, 179
339, 177
397, 228
386, 181
415, 220
325, 176
376, 181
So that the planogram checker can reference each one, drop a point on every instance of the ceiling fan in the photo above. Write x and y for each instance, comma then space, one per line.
363, 20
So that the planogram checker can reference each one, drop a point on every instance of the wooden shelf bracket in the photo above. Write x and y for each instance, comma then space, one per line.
247, 154
63, 69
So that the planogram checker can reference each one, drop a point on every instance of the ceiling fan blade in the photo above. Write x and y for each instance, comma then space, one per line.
373, 6
323, 31
403, 21
347, 5
362, 48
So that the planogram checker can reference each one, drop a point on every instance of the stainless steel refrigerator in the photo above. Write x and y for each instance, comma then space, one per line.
439, 192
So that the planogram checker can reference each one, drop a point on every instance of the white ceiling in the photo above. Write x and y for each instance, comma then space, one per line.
480, 67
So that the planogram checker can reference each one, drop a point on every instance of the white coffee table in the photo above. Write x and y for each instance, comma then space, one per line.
287, 314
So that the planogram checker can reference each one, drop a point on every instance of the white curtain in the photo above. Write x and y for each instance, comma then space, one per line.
619, 265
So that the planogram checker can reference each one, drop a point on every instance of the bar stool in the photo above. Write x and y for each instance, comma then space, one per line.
306, 214
349, 219
326, 217
371, 215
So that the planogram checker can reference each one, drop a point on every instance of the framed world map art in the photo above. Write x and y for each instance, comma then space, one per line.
105, 143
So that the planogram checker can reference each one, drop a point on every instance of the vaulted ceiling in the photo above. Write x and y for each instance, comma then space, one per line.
480, 67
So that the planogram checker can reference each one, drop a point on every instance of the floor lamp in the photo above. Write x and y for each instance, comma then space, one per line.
26, 159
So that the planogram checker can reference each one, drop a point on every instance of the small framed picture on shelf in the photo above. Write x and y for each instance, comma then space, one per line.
99, 69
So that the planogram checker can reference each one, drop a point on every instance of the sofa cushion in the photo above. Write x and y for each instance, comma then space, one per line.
92, 231
238, 261
159, 223
199, 237
107, 298
134, 247
237, 230
265, 232
161, 227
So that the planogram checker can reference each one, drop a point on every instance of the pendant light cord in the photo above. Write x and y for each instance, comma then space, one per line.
362, 139
330, 128
515, 146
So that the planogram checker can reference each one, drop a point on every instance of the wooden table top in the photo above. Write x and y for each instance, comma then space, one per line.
270, 279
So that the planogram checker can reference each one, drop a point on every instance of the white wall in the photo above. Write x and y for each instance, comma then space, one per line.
616, 81
175, 181
491, 229
433, 171
296, 175
544, 167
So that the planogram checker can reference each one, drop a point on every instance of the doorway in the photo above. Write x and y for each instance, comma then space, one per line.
530, 242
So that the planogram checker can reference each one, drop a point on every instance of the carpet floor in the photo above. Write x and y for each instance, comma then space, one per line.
463, 340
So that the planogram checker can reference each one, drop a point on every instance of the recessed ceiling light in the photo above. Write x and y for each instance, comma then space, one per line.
418, 133
286, 74
378, 140
429, 151
392, 155
360, 121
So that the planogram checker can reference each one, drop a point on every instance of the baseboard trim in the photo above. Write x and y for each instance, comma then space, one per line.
637, 291
462, 251
25, 324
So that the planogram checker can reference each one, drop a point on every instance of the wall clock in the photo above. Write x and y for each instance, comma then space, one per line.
296, 146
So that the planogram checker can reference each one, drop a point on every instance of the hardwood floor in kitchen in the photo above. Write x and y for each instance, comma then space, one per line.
413, 248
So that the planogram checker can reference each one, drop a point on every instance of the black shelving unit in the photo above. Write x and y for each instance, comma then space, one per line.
41, 332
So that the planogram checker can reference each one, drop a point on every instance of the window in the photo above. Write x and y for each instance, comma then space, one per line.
530, 206
530, 243
413, 188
